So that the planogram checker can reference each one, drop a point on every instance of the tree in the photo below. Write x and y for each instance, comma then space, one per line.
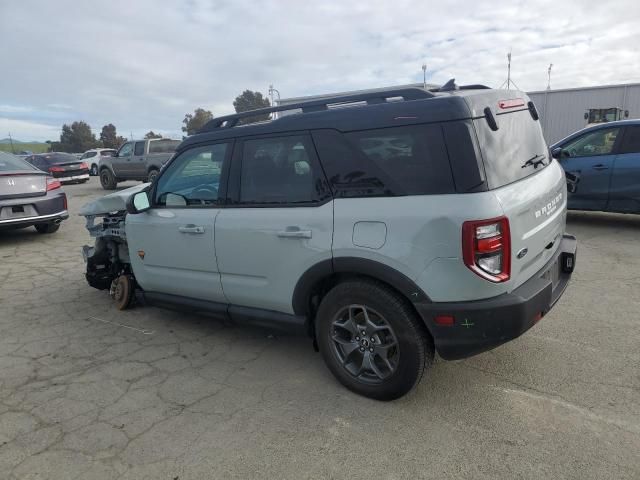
76, 137
249, 100
152, 134
108, 136
194, 122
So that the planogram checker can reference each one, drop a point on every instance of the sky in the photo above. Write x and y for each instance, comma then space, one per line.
143, 64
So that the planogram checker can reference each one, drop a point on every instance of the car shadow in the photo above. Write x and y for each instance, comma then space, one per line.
603, 219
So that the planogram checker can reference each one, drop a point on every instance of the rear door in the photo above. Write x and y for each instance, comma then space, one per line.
530, 187
590, 157
172, 245
624, 194
279, 222
121, 163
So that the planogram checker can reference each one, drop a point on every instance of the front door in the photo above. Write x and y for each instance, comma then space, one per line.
625, 182
121, 163
279, 222
172, 245
590, 157
138, 169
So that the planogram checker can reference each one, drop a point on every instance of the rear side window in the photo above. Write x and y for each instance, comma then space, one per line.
163, 146
515, 150
631, 140
280, 170
408, 160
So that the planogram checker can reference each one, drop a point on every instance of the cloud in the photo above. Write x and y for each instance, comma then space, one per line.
142, 65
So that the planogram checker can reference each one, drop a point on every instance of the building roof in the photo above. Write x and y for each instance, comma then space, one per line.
595, 87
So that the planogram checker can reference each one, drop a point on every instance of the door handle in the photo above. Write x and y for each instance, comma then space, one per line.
600, 166
191, 229
294, 232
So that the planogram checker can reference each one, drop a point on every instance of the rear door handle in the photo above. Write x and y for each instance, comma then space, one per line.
600, 166
294, 232
191, 229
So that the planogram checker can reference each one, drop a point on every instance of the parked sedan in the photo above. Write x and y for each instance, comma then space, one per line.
63, 166
603, 162
29, 196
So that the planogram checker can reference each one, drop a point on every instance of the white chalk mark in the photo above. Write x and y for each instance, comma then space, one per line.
144, 332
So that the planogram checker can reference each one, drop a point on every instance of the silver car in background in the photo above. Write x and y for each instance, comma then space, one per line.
29, 196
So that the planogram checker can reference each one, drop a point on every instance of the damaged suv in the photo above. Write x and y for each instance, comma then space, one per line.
386, 225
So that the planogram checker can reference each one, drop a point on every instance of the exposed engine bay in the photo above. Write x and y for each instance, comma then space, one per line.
108, 261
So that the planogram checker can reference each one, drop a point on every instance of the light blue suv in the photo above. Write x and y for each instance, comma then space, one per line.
386, 226
603, 167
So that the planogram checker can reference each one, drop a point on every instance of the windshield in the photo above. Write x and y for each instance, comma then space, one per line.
10, 162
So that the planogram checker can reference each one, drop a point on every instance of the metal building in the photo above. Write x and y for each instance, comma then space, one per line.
562, 111
565, 111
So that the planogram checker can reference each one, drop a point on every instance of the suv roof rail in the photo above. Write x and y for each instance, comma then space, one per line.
371, 98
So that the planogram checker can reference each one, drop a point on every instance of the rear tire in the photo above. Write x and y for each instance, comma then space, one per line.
122, 291
390, 358
108, 180
153, 173
94, 170
47, 227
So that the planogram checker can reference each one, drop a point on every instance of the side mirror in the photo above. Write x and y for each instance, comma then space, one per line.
556, 153
114, 154
138, 202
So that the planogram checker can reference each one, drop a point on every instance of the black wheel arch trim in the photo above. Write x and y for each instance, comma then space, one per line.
357, 266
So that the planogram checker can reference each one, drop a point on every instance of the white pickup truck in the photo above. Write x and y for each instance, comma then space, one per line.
136, 160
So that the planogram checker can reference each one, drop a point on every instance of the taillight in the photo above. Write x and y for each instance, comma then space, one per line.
511, 103
84, 165
486, 248
52, 183
56, 169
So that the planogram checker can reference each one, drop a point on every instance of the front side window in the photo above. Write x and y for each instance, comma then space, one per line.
279, 170
139, 149
193, 178
590, 144
125, 150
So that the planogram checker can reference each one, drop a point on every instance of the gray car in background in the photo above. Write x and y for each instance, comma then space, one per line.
29, 196
136, 160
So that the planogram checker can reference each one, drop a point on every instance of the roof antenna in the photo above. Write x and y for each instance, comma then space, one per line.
449, 86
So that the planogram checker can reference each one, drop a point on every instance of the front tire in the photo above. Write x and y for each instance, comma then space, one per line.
47, 227
372, 340
107, 179
153, 174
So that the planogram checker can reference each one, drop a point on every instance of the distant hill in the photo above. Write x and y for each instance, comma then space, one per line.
35, 147
15, 142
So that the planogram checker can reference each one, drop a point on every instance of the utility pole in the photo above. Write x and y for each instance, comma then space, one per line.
11, 142
549, 76
271, 92
509, 70
424, 76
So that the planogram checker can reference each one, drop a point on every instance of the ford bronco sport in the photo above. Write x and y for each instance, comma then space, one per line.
386, 225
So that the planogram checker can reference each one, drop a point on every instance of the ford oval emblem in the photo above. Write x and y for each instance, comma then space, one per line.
522, 253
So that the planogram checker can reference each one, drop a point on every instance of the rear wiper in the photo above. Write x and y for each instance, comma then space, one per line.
537, 159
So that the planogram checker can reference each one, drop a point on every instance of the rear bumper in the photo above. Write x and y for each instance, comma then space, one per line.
51, 207
482, 325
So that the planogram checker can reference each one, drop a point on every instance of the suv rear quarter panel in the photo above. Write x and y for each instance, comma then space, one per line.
423, 239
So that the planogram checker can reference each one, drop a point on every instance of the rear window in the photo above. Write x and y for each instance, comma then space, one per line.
163, 146
515, 150
396, 161
10, 162
52, 158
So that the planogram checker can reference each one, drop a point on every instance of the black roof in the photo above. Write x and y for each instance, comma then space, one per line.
387, 108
